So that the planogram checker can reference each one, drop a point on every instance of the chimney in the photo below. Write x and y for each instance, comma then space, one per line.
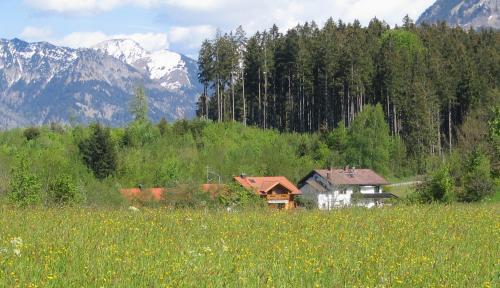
243, 175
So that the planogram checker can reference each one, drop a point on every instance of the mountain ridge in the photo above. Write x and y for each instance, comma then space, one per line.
467, 14
41, 83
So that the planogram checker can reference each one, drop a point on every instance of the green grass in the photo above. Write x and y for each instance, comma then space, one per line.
425, 246
495, 198
400, 191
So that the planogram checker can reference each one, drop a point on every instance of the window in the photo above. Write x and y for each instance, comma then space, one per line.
377, 189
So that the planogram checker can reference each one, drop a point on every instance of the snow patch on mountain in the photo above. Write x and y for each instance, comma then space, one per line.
464, 13
41, 82
125, 50
163, 62
158, 64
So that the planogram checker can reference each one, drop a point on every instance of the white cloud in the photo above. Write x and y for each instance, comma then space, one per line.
148, 41
253, 12
93, 6
191, 21
74, 6
190, 36
36, 33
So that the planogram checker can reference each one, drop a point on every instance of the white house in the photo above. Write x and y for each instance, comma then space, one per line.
344, 187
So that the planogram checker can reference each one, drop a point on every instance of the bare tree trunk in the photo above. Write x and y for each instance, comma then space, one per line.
348, 106
205, 98
287, 116
301, 106
449, 125
326, 115
274, 102
438, 117
260, 111
389, 111
302, 100
342, 104
223, 107
244, 99
265, 99
265, 86
232, 96
395, 119
218, 101
289, 94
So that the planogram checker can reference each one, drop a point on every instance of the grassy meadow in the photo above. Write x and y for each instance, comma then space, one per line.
407, 246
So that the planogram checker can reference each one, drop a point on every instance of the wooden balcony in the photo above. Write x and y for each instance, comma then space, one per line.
277, 197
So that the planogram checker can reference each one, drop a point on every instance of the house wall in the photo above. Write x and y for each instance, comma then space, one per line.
327, 201
308, 191
290, 202
333, 199
370, 189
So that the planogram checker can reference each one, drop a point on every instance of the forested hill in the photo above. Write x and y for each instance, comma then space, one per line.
427, 79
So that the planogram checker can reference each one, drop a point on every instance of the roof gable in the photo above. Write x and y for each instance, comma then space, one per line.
350, 177
265, 184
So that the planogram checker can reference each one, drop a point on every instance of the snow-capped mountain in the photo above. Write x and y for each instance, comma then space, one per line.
167, 67
41, 83
464, 13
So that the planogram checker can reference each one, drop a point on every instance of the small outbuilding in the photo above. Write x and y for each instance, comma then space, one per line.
149, 194
278, 191
344, 187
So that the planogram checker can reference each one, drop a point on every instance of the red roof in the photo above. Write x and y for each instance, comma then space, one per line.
145, 194
262, 185
352, 177
213, 189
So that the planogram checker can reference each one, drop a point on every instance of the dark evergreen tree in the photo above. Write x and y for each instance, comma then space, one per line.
99, 152
426, 78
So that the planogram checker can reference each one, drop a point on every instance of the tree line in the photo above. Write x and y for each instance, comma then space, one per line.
427, 78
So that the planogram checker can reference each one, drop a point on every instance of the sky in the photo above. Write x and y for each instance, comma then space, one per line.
180, 25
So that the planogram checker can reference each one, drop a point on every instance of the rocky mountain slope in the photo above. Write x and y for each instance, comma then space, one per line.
464, 13
41, 83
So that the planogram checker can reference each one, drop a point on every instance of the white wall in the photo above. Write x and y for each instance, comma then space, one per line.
369, 189
327, 201
335, 199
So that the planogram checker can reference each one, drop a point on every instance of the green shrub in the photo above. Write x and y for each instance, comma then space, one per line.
306, 202
31, 133
99, 152
477, 182
188, 196
180, 127
63, 190
163, 126
25, 187
140, 133
57, 127
439, 187
237, 196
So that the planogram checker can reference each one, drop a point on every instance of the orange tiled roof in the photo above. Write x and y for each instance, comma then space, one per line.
136, 193
262, 185
213, 189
